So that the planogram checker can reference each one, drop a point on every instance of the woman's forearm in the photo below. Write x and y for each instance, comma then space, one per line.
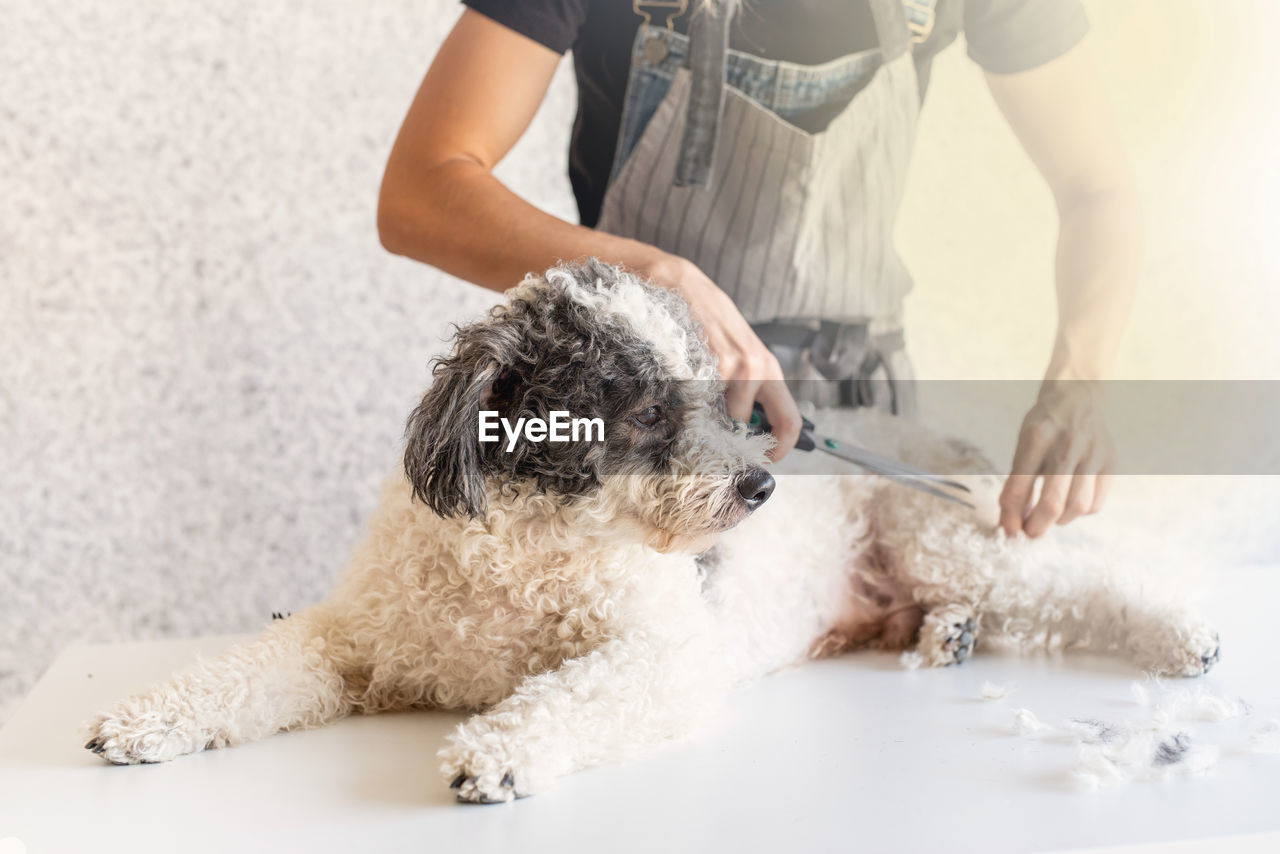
1098, 263
458, 217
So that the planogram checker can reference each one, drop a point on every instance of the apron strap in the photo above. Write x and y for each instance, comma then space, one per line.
708, 56
892, 29
860, 390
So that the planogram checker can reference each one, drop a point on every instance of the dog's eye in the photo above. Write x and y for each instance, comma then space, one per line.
649, 417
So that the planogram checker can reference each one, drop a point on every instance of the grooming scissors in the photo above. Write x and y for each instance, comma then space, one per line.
887, 467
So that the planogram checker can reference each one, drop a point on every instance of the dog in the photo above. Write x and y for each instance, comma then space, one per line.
589, 601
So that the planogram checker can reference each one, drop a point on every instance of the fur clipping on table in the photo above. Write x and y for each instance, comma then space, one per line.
1161, 744
992, 691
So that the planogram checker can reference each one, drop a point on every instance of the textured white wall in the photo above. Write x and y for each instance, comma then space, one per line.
206, 359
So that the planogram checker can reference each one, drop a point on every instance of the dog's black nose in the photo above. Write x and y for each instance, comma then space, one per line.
755, 487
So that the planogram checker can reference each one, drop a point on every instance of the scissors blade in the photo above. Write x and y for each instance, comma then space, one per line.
925, 486
882, 464
899, 472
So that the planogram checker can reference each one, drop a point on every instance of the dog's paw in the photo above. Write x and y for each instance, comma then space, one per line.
134, 734
479, 777
947, 637
1186, 648
481, 790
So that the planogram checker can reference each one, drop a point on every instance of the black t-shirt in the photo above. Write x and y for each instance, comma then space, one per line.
1004, 37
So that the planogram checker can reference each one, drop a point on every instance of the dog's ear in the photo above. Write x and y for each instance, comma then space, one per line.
443, 458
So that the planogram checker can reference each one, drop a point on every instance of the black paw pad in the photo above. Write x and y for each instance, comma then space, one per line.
963, 639
508, 782
1211, 658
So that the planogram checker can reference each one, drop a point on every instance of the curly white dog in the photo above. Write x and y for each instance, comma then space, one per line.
592, 600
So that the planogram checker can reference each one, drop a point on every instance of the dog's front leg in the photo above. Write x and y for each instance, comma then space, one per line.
286, 678
618, 701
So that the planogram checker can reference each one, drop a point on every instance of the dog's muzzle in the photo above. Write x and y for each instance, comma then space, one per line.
755, 487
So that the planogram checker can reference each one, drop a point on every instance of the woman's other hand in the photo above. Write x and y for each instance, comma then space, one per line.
1064, 440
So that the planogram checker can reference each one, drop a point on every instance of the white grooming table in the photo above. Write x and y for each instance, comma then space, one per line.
853, 754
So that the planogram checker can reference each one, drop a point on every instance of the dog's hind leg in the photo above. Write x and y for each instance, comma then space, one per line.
283, 680
1071, 597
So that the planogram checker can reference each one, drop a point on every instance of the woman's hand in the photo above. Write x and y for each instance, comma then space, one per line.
1059, 112
750, 371
1065, 441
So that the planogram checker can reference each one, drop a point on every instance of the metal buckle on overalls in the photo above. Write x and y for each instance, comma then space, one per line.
679, 7
920, 19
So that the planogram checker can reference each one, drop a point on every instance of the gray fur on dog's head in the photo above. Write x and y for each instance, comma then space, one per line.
584, 338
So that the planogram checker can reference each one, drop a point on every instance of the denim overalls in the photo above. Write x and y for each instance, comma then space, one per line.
782, 182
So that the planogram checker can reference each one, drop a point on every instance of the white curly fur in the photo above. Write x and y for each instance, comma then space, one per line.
580, 636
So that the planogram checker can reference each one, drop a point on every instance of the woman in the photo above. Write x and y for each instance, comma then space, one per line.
751, 156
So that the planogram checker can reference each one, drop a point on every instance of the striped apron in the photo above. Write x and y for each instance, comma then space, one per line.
782, 182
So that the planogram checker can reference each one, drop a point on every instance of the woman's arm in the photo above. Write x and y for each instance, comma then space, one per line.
440, 203
1059, 112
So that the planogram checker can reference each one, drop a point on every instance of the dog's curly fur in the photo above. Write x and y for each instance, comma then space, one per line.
590, 601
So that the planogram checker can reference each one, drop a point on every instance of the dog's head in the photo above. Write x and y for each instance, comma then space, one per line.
594, 342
